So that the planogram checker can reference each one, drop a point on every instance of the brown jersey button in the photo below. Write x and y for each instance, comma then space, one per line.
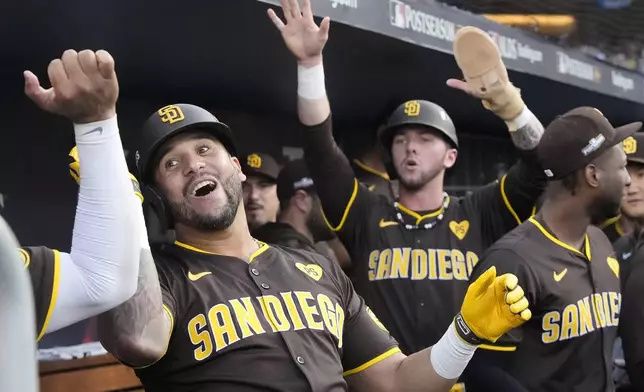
254, 271
300, 360
265, 286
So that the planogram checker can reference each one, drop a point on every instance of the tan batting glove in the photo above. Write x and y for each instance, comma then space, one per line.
492, 307
74, 171
486, 77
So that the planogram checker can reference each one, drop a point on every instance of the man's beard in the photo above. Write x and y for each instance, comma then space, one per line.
416, 184
183, 213
603, 208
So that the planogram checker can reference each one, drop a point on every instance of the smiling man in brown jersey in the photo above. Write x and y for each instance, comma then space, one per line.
414, 257
566, 265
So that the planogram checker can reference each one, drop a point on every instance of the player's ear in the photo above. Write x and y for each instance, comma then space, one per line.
592, 174
450, 158
237, 165
302, 201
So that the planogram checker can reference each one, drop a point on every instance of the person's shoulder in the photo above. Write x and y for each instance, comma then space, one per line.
598, 235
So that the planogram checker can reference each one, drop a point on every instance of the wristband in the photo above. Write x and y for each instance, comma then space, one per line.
450, 355
521, 120
310, 82
465, 332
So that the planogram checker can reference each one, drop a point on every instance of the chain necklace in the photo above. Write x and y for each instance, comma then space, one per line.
425, 226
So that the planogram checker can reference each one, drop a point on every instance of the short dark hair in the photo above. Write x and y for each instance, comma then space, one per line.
570, 182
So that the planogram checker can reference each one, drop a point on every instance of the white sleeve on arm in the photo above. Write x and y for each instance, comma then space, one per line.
102, 268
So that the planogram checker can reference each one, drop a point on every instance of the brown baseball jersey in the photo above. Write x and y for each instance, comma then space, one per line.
415, 279
575, 300
288, 320
43, 265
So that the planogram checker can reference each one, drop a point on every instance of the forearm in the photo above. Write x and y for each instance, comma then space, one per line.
525, 130
103, 260
437, 368
329, 167
137, 332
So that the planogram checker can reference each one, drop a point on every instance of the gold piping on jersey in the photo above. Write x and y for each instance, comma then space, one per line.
498, 348
506, 201
167, 344
609, 222
372, 362
371, 170
54, 295
563, 244
346, 209
420, 218
262, 247
26, 258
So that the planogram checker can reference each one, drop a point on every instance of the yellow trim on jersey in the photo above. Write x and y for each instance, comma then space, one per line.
498, 348
371, 170
346, 209
26, 257
419, 218
619, 229
262, 247
534, 211
169, 313
507, 201
54, 295
372, 362
609, 222
563, 244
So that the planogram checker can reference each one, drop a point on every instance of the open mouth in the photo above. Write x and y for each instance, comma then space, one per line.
203, 188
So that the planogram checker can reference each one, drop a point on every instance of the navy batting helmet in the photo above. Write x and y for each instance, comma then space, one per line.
415, 112
165, 123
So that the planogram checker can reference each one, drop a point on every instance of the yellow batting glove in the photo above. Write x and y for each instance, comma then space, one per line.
74, 171
492, 307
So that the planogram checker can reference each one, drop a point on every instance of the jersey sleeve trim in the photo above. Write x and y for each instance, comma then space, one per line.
346, 209
371, 170
169, 313
26, 258
54, 295
372, 362
506, 201
498, 348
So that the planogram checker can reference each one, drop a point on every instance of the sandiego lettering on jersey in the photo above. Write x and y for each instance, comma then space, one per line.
291, 309
420, 264
228, 323
575, 299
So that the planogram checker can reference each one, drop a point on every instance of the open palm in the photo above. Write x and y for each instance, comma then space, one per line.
300, 33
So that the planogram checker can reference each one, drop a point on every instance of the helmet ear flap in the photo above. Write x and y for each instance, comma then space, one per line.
156, 202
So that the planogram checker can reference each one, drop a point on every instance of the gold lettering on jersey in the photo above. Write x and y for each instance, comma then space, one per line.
246, 317
228, 323
200, 337
581, 318
421, 264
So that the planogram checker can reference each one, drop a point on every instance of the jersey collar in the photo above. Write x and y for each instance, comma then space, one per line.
554, 239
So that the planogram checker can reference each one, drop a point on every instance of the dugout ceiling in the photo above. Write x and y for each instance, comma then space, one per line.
227, 53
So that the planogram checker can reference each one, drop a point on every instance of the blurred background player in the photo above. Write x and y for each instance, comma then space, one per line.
260, 189
632, 211
300, 223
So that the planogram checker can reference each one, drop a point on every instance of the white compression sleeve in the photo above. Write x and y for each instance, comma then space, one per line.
101, 270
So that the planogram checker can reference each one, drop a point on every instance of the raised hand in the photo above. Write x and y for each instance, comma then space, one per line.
84, 87
300, 33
